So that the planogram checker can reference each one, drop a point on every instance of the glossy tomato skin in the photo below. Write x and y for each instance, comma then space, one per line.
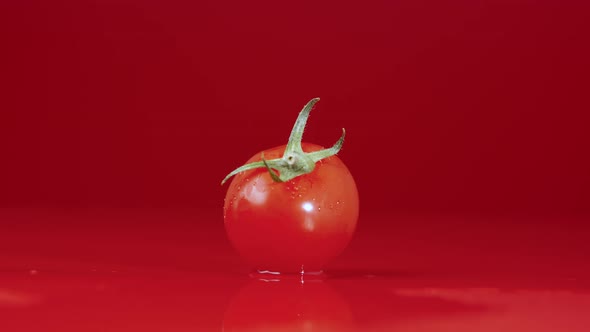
294, 226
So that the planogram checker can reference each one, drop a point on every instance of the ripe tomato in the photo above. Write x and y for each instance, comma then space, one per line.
292, 226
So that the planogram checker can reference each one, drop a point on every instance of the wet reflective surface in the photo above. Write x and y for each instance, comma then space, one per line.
164, 271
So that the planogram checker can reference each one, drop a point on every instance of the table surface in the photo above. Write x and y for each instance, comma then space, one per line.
158, 270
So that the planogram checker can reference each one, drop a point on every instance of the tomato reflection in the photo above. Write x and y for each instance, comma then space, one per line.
287, 304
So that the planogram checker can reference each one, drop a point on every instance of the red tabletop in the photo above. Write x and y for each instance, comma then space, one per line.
165, 270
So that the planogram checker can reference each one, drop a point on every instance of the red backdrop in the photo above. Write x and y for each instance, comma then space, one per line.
462, 106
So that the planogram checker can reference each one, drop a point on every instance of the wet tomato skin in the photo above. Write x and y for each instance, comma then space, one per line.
292, 226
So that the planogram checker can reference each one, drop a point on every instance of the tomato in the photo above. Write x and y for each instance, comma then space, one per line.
292, 226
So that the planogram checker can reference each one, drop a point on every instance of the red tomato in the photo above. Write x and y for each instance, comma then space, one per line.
294, 207
294, 226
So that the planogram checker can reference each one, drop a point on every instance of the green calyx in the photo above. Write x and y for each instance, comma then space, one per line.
294, 161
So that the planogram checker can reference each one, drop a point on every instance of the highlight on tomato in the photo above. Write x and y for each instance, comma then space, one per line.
292, 208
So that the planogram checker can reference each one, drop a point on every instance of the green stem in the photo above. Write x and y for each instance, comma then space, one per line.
294, 144
325, 153
294, 161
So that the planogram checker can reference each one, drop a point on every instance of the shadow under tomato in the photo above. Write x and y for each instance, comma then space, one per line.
339, 301
288, 304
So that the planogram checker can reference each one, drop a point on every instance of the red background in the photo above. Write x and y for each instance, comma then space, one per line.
467, 133
456, 106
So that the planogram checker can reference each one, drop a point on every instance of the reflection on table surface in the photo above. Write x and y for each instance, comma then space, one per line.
147, 301
109, 275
